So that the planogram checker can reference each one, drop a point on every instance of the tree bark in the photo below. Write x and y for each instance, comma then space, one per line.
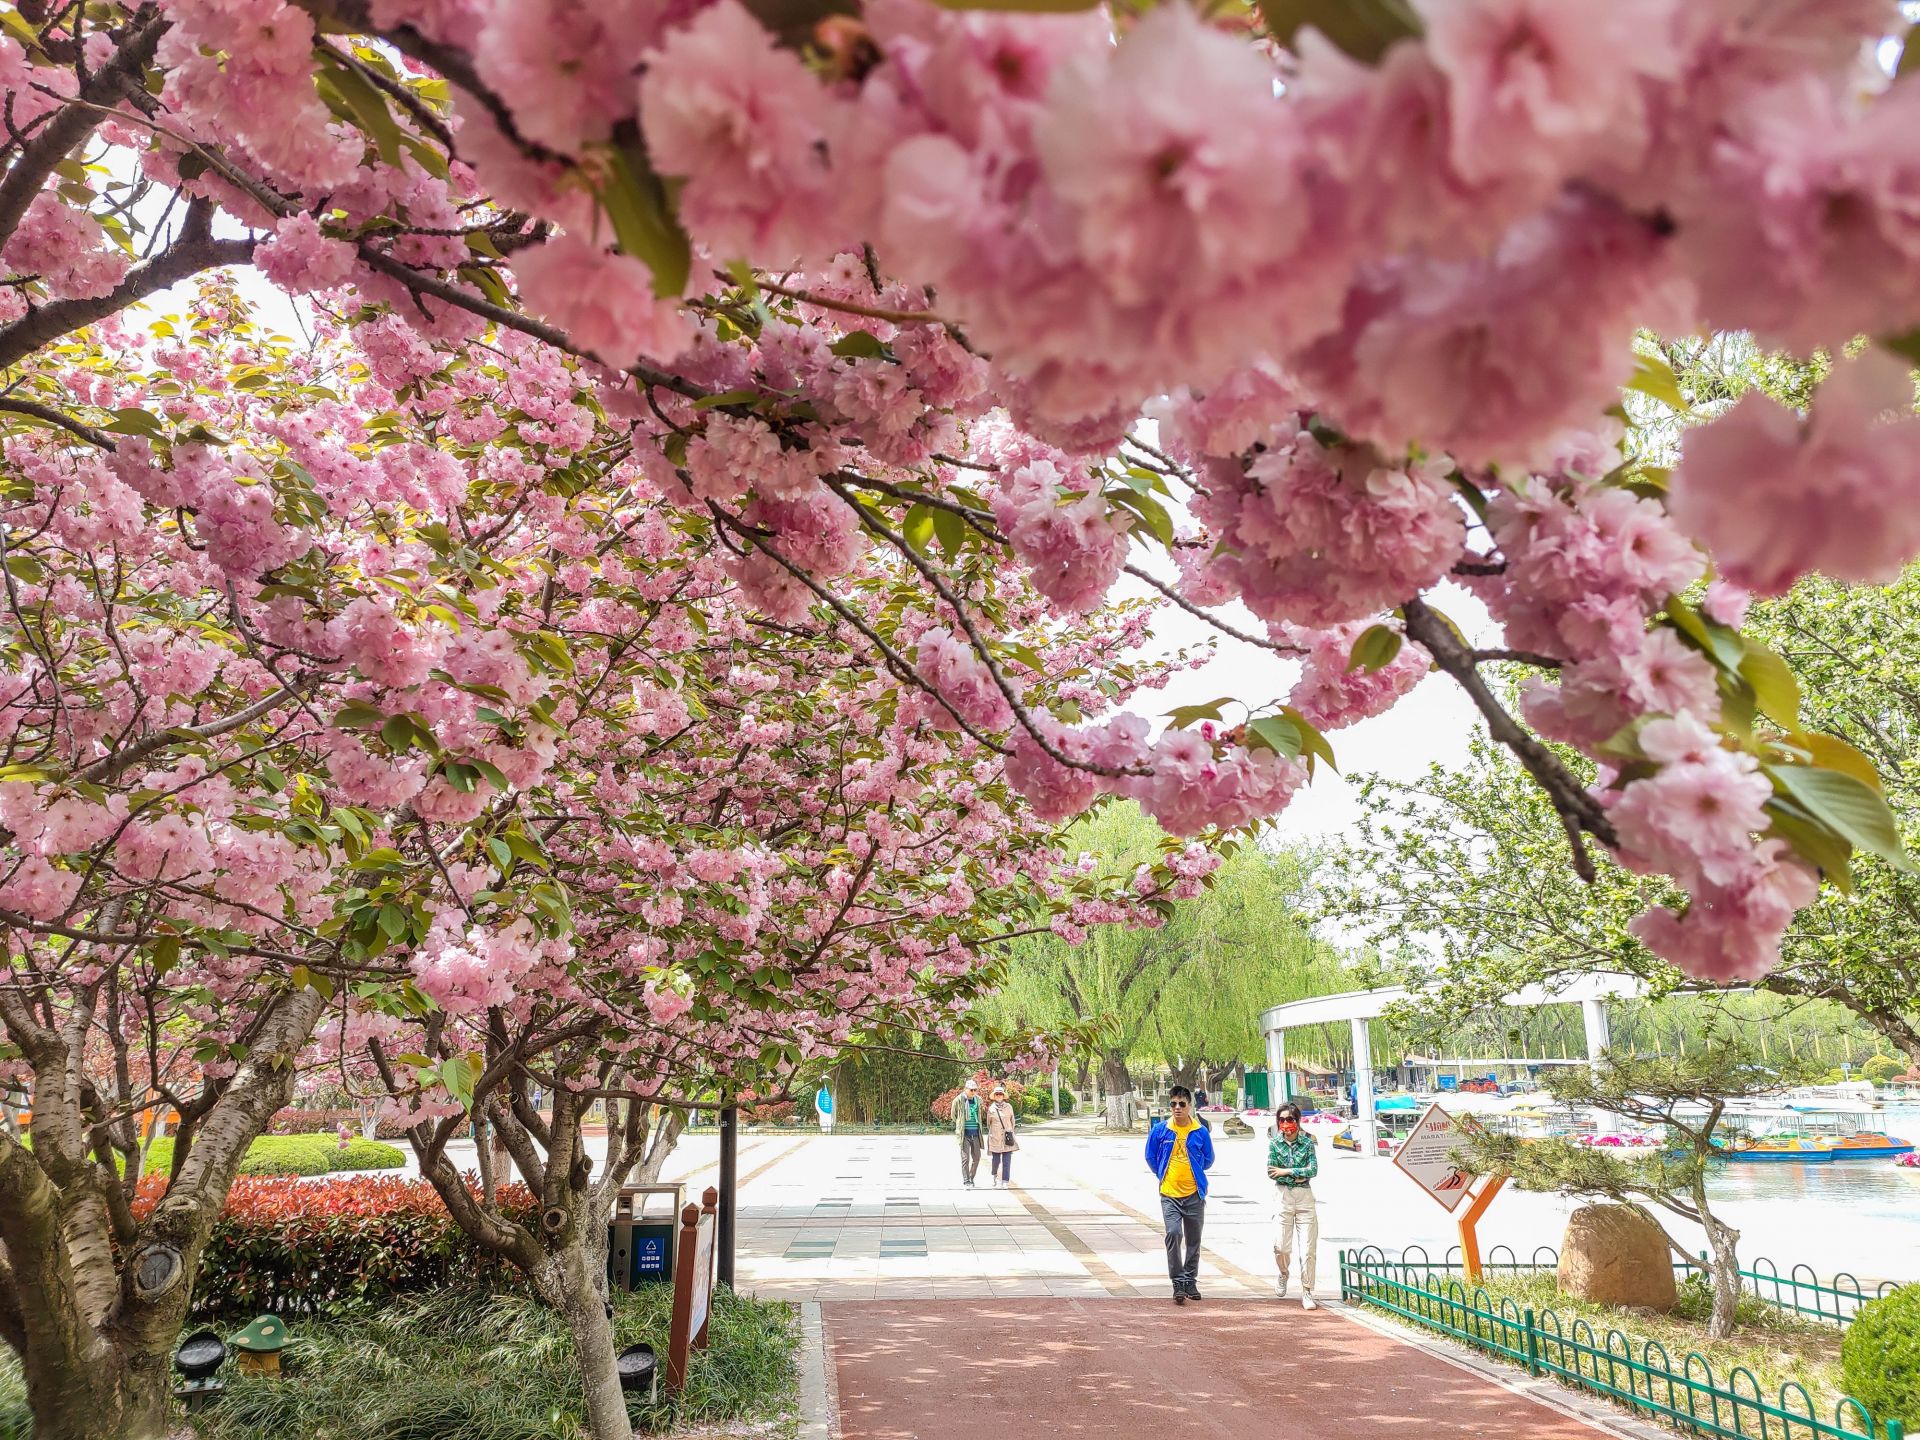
1117, 1086
97, 1350
1723, 1270
576, 1286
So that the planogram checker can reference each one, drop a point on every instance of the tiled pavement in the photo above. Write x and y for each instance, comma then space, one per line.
884, 1217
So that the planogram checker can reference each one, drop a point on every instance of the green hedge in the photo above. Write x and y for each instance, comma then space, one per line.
295, 1155
1880, 1358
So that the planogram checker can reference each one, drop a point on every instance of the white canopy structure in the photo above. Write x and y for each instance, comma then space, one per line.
1357, 1007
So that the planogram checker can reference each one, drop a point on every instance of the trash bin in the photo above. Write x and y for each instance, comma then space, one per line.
1258, 1096
640, 1243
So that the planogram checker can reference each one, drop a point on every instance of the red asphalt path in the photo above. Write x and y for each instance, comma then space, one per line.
1043, 1369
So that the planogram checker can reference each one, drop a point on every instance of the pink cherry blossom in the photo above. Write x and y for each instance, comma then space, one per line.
604, 301
1774, 496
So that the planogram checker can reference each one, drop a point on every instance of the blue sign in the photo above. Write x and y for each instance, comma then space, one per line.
823, 1100
652, 1259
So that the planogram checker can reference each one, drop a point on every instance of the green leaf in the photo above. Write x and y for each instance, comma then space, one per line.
359, 715
1813, 843
1847, 806
1158, 522
1185, 715
643, 219
23, 566
1829, 752
1906, 346
397, 732
858, 345
917, 528
1362, 28
1652, 375
502, 854
727, 397
355, 100
1775, 687
951, 530
1374, 648
1721, 645
166, 955
393, 921
134, 421
1275, 732
1313, 744
458, 1075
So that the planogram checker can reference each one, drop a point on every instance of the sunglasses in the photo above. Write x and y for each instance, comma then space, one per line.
1179, 1104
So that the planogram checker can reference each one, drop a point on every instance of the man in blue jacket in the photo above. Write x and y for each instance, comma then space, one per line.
1180, 1152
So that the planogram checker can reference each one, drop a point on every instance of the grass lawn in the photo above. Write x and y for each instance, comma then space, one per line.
490, 1365
288, 1155
1775, 1346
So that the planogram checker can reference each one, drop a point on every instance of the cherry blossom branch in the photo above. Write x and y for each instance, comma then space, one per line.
1578, 811
934, 578
51, 416
1200, 612
1519, 657
870, 312
75, 122
117, 763
897, 664
187, 256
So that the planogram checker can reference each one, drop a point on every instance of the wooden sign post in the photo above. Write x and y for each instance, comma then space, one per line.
692, 1287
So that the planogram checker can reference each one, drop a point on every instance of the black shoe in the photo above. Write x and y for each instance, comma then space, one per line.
1193, 1292
1179, 1296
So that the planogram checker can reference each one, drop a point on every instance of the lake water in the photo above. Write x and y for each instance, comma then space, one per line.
1856, 1215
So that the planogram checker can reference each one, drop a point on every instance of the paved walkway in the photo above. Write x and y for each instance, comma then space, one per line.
1040, 1369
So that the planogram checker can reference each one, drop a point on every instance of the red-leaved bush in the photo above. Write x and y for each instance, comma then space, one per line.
296, 1247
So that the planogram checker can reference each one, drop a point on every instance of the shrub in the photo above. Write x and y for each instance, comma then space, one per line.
1880, 1357
327, 1122
295, 1155
295, 1248
1880, 1069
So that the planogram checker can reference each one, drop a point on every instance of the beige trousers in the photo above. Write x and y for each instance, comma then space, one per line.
1296, 1215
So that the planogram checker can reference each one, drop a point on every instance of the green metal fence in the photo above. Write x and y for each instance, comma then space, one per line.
1800, 1291
1690, 1397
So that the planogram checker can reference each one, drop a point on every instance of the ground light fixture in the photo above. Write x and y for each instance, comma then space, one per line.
639, 1369
200, 1355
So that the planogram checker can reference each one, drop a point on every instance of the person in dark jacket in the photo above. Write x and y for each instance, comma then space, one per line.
1179, 1153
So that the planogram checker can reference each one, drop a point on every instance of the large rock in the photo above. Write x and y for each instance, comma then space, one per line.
1616, 1255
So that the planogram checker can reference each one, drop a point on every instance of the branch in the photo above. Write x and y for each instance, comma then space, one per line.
75, 122
187, 256
53, 416
116, 764
1578, 810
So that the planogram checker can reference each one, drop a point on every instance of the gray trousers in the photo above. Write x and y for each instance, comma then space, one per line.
970, 1155
1183, 1218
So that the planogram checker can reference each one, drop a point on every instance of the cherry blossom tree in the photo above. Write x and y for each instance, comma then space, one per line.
616, 307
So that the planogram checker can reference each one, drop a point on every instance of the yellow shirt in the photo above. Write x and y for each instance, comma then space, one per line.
1177, 1183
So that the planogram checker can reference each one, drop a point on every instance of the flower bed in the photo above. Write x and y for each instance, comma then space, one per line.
298, 1249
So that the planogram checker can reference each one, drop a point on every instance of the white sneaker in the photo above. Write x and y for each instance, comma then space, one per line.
1280, 1289
1307, 1302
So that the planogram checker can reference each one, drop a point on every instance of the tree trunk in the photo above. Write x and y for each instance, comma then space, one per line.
1723, 1270
575, 1283
1117, 1086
